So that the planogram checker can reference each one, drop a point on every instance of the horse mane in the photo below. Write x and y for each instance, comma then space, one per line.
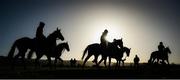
50, 35
167, 48
59, 45
126, 48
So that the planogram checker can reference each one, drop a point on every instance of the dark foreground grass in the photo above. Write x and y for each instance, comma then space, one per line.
144, 71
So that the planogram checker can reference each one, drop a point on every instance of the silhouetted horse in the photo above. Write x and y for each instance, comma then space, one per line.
119, 55
25, 43
96, 50
58, 51
160, 56
48, 48
115, 52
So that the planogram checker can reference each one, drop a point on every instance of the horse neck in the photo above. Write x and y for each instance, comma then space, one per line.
51, 37
166, 50
113, 44
125, 49
61, 46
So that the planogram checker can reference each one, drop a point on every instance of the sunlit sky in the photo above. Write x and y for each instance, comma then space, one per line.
142, 24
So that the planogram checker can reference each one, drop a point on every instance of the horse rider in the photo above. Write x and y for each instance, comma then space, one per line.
39, 31
40, 38
161, 47
104, 42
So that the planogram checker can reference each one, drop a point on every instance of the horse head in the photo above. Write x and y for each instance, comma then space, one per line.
167, 50
127, 50
118, 42
66, 46
58, 34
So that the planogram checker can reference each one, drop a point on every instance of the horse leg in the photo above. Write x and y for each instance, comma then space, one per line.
163, 61
55, 61
103, 58
17, 56
152, 60
109, 62
158, 60
167, 61
23, 59
49, 60
116, 63
21, 53
60, 59
88, 56
30, 54
105, 61
15, 60
100, 61
122, 63
37, 60
95, 60
119, 63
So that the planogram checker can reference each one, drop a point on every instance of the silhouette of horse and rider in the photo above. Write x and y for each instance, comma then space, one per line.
106, 49
47, 46
40, 45
161, 54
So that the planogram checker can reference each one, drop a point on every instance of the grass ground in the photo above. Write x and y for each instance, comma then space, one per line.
65, 71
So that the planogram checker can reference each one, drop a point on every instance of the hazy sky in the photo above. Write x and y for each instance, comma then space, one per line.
142, 24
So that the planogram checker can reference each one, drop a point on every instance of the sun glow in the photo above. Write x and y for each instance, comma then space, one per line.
113, 33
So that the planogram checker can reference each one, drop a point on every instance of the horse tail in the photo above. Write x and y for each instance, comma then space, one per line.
11, 52
85, 52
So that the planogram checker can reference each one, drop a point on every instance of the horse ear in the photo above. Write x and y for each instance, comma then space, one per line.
129, 48
57, 29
